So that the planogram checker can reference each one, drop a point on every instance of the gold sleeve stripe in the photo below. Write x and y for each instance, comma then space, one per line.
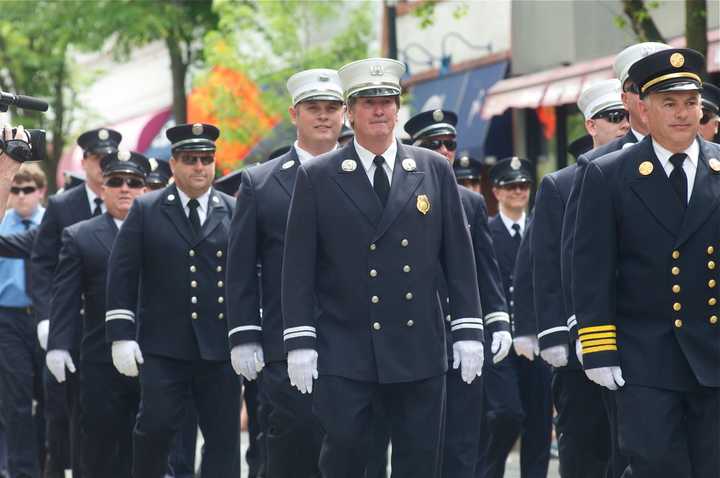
597, 328
593, 343
602, 348
605, 335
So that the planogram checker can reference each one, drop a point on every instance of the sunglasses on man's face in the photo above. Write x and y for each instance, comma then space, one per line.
706, 117
435, 144
25, 190
516, 186
191, 160
614, 116
132, 183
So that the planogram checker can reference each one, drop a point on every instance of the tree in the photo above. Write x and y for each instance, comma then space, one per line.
641, 21
696, 25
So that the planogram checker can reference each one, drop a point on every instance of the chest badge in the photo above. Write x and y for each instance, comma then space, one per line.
288, 164
408, 164
349, 165
714, 165
423, 204
646, 168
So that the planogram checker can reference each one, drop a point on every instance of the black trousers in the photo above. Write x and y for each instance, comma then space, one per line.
182, 453
109, 403
57, 421
463, 419
414, 411
167, 386
581, 425
255, 454
517, 403
294, 435
669, 434
20, 383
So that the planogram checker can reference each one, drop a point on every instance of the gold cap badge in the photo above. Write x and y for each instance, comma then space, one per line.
677, 60
349, 165
423, 203
714, 165
646, 168
408, 164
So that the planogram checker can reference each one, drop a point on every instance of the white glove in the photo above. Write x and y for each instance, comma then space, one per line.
302, 369
126, 356
526, 346
608, 377
557, 355
247, 360
578, 351
468, 355
57, 361
501, 343
43, 329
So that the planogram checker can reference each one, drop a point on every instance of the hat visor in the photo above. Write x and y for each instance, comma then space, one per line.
709, 105
441, 130
320, 97
515, 180
102, 150
374, 91
679, 84
204, 146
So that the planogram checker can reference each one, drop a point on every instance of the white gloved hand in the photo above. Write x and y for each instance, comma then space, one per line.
608, 377
578, 351
557, 355
501, 343
43, 329
526, 346
302, 369
57, 361
247, 360
126, 356
468, 355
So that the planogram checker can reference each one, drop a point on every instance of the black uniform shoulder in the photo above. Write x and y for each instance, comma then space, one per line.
226, 198
258, 173
617, 144
83, 227
152, 197
71, 196
471, 195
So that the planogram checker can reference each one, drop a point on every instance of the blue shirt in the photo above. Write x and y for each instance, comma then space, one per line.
12, 271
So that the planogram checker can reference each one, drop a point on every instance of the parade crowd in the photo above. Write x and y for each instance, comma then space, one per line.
354, 292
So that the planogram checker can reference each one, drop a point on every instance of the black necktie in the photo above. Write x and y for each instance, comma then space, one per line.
98, 207
380, 180
678, 179
194, 217
516, 237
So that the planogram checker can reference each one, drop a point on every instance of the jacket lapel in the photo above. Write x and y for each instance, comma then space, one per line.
356, 186
217, 211
404, 183
654, 189
174, 211
105, 234
286, 171
704, 197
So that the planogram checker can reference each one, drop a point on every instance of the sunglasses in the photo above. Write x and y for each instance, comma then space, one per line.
613, 116
26, 190
132, 183
706, 117
435, 144
631, 88
155, 186
191, 160
518, 186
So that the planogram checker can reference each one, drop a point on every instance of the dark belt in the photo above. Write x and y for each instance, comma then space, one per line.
18, 310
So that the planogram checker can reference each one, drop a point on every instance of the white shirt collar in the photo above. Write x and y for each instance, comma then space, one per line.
91, 199
637, 135
118, 222
663, 155
203, 200
509, 223
304, 155
366, 156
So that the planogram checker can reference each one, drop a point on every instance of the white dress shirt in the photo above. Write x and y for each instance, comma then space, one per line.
509, 224
91, 200
367, 157
305, 155
202, 209
637, 135
118, 222
689, 165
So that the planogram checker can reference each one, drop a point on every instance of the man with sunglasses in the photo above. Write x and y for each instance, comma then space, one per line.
582, 425
435, 130
517, 396
108, 400
257, 237
166, 310
710, 105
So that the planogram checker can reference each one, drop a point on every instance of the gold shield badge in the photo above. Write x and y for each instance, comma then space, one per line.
646, 168
677, 60
423, 203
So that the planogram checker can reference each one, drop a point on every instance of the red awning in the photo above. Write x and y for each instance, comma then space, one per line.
562, 86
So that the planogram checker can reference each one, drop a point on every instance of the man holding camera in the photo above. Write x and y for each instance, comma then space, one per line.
9, 165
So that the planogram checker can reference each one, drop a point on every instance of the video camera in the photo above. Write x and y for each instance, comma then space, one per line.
18, 149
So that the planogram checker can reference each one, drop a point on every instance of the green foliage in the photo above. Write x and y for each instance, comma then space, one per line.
425, 12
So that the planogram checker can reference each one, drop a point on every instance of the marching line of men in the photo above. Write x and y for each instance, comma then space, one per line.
357, 283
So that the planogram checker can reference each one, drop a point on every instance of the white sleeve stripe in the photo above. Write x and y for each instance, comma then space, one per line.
303, 328
245, 328
502, 318
492, 315
295, 335
572, 320
466, 321
466, 326
120, 312
119, 317
553, 330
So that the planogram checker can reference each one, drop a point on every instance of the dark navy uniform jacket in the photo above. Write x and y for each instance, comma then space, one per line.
506, 251
18, 245
80, 285
569, 220
646, 270
492, 295
175, 279
524, 315
359, 282
257, 235
63, 210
